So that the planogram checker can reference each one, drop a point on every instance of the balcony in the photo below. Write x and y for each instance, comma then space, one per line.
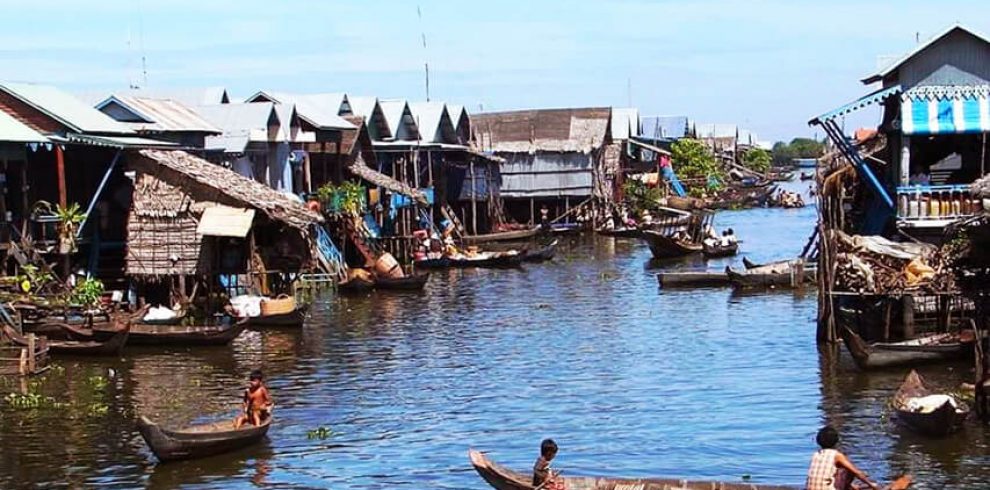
935, 206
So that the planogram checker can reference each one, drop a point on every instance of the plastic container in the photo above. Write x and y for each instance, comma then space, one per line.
387, 266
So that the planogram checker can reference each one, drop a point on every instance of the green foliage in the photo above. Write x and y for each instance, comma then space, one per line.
695, 164
69, 218
639, 196
33, 279
31, 401
319, 433
784, 153
87, 292
348, 197
757, 160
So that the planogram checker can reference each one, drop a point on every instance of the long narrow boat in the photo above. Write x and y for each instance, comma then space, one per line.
109, 347
945, 417
933, 348
719, 250
692, 279
356, 284
199, 440
409, 282
504, 479
499, 260
768, 278
502, 236
665, 247
143, 334
292, 318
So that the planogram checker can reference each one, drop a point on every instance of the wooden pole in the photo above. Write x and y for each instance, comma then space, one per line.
474, 202
532, 211
60, 171
32, 361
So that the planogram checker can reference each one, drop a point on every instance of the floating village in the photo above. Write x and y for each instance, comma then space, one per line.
162, 223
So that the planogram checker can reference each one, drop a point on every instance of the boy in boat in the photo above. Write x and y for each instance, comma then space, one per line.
830, 469
543, 477
257, 402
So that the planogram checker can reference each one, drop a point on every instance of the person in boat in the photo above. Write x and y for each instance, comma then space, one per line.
730, 237
543, 476
544, 215
830, 469
257, 401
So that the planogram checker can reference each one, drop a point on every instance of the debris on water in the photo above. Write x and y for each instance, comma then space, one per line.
319, 433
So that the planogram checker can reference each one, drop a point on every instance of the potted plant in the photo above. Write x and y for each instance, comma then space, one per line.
69, 218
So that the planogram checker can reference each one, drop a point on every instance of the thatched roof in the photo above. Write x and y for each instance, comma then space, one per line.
548, 130
180, 168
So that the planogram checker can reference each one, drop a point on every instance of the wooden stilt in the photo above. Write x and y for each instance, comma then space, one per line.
60, 171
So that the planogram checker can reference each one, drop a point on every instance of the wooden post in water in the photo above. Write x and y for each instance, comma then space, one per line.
31, 361
907, 312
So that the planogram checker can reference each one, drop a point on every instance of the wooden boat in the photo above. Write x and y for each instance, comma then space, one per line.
540, 254
943, 420
807, 176
781, 176
665, 247
622, 232
718, 250
565, 228
759, 278
143, 334
502, 236
67, 331
109, 347
199, 440
491, 260
504, 479
933, 348
356, 284
411, 282
692, 279
686, 203
292, 318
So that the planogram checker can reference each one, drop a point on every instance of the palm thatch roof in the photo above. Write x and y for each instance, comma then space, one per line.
181, 168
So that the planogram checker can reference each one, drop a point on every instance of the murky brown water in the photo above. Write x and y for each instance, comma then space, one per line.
629, 379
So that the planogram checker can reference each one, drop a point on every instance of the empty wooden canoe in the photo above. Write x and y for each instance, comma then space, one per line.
199, 440
665, 247
933, 348
144, 334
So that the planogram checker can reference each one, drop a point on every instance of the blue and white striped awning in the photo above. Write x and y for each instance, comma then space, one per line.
946, 110
874, 97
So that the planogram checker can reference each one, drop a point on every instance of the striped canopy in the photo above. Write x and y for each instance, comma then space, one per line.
946, 110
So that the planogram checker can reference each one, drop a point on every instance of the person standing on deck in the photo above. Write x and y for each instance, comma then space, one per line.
830, 469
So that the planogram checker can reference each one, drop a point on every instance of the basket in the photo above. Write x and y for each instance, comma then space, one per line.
278, 306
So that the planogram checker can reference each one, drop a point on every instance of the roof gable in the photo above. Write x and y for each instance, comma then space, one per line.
434, 122
150, 115
64, 108
553, 130
241, 124
923, 47
401, 123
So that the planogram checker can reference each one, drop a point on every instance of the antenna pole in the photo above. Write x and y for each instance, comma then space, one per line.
426, 61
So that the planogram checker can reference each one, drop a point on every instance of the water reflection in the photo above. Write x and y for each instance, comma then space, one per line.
630, 379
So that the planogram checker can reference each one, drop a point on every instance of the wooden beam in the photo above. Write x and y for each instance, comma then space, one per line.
60, 171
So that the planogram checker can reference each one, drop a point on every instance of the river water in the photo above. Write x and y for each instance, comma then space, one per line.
629, 379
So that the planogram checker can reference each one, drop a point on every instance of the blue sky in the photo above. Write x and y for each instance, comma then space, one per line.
767, 65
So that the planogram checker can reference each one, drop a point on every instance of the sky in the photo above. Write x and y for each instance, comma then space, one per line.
768, 66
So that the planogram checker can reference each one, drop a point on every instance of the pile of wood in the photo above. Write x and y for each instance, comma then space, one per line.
873, 266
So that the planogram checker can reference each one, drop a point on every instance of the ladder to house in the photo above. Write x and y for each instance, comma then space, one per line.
365, 244
449, 213
329, 255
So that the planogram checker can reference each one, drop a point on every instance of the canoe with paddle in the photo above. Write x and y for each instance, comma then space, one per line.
504, 479
540, 253
925, 411
718, 250
666, 247
199, 441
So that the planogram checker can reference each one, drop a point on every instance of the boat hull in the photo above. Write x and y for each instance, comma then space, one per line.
692, 279
664, 247
293, 318
945, 420
885, 356
504, 479
504, 236
199, 441
142, 334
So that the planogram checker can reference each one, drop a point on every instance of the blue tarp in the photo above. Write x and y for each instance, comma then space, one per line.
459, 186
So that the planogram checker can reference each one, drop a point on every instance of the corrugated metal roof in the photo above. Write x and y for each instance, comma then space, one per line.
552, 130
14, 131
715, 130
876, 77
240, 124
625, 123
162, 114
664, 127
874, 97
434, 122
120, 141
320, 110
192, 96
401, 123
362, 106
65, 108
